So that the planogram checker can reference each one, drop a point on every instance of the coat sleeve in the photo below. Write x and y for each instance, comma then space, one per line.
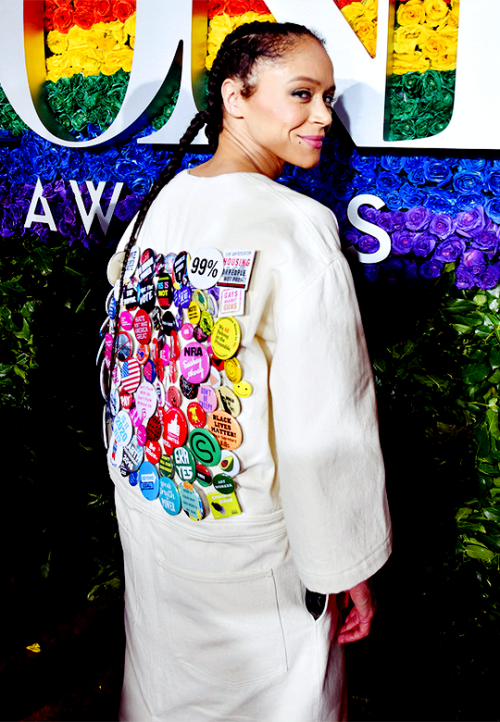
330, 464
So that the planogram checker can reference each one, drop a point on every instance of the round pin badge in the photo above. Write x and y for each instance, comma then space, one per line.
243, 389
201, 298
205, 447
155, 317
126, 320
146, 401
175, 429
226, 429
228, 401
146, 265
182, 297
114, 268
149, 371
192, 503
229, 462
180, 269
160, 392
207, 398
142, 326
115, 453
146, 295
194, 313
152, 451
149, 481
203, 475
223, 483
199, 335
133, 456
196, 416
130, 296
132, 261
114, 401
169, 496
123, 346
142, 353
194, 362
153, 428
130, 376
226, 337
185, 463
122, 428
174, 397
166, 465
168, 323
213, 306
186, 331
165, 291
126, 400
233, 371
168, 263
141, 434
206, 323
133, 478
189, 390
206, 268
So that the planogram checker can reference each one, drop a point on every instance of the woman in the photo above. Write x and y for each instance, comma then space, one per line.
227, 609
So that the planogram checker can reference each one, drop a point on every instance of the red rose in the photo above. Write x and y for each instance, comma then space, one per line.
84, 19
65, 4
48, 12
258, 6
237, 7
63, 19
343, 3
215, 7
103, 11
123, 9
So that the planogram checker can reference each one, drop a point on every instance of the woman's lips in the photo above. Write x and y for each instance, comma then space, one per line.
315, 141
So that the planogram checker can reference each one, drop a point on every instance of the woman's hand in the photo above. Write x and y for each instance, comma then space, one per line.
358, 622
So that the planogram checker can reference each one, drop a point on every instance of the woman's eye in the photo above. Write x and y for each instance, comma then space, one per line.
303, 94
330, 100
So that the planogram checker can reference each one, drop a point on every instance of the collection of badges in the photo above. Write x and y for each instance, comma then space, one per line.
176, 385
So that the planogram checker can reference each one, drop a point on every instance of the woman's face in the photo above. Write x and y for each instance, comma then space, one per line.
289, 113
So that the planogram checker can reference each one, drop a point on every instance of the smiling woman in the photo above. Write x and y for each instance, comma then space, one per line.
231, 606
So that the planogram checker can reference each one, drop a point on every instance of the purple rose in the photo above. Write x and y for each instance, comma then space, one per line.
368, 244
369, 213
489, 277
486, 241
385, 220
474, 260
442, 225
370, 271
464, 278
424, 244
493, 209
399, 218
393, 269
418, 219
450, 249
431, 269
402, 241
468, 221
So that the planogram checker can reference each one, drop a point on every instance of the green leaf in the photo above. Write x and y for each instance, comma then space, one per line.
474, 373
477, 552
12, 285
495, 357
81, 304
492, 418
463, 513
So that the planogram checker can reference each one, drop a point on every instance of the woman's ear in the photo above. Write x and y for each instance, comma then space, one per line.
232, 99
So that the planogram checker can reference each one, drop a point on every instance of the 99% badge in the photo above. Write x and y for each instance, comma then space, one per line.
206, 268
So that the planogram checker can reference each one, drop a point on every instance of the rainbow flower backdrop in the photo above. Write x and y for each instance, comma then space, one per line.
441, 213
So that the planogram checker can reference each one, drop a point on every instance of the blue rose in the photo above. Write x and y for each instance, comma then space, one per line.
344, 191
466, 201
365, 184
473, 164
412, 196
450, 249
414, 162
431, 269
393, 270
387, 181
402, 241
489, 277
416, 176
468, 182
442, 225
364, 163
410, 272
492, 209
493, 181
394, 163
469, 221
440, 201
370, 271
424, 244
464, 278
437, 171
392, 200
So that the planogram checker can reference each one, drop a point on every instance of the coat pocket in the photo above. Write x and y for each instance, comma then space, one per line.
225, 627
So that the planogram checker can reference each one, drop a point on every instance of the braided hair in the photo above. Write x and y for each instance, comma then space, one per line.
236, 58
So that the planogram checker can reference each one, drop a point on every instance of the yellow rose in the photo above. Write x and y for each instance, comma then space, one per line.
410, 63
222, 25
251, 17
99, 38
411, 13
407, 37
57, 42
353, 13
116, 59
371, 10
117, 30
435, 11
57, 67
77, 37
85, 60
367, 33
445, 61
129, 25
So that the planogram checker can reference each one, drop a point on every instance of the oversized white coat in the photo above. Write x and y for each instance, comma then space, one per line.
216, 623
